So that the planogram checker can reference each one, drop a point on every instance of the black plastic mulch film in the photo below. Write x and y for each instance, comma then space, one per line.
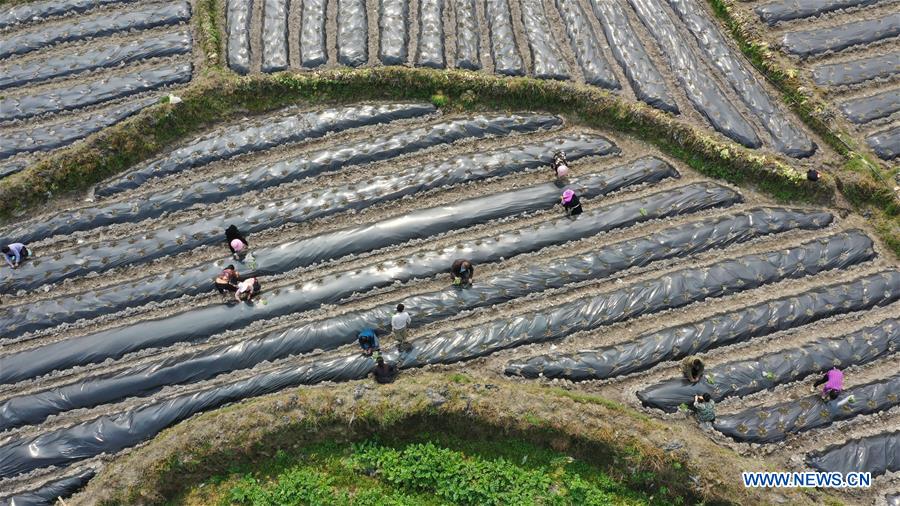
274, 174
878, 454
546, 60
721, 329
886, 144
82, 95
645, 79
425, 308
707, 97
872, 107
202, 323
788, 10
113, 432
141, 18
507, 60
430, 52
94, 57
48, 493
351, 240
41, 10
857, 71
259, 135
745, 377
237, 24
584, 42
162, 242
786, 136
822, 40
768, 424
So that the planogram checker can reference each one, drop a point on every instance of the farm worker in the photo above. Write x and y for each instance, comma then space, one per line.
15, 254
560, 165
246, 289
571, 203
705, 409
834, 384
236, 242
462, 271
692, 368
384, 372
399, 323
227, 280
368, 341
813, 175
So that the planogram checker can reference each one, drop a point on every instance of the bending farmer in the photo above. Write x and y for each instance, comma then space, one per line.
692, 368
834, 384
571, 203
236, 242
705, 409
368, 341
560, 165
227, 280
246, 290
462, 271
384, 372
15, 254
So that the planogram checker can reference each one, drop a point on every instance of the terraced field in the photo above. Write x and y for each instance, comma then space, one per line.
672, 57
69, 69
850, 50
115, 333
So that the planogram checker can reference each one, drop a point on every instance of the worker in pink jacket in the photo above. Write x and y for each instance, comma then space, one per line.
834, 383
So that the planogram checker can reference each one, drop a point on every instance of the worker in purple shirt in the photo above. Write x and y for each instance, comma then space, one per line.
15, 254
834, 384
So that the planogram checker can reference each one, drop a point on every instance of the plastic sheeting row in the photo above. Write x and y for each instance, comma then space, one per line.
284, 171
41, 36
113, 432
870, 108
746, 377
200, 324
507, 60
823, 40
352, 33
261, 134
41, 10
430, 52
699, 88
306, 206
393, 24
587, 48
425, 308
857, 71
886, 144
788, 10
275, 35
878, 454
48, 493
237, 23
312, 34
304, 252
80, 60
786, 136
468, 35
84, 95
546, 59
647, 82
721, 329
44, 136
768, 424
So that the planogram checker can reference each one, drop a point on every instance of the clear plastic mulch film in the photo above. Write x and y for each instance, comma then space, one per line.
878, 454
587, 48
312, 34
430, 50
702, 91
261, 134
275, 35
769, 424
237, 24
788, 10
352, 33
745, 377
808, 43
306, 206
425, 308
504, 52
112, 432
49, 493
645, 79
268, 175
106, 56
393, 24
284, 257
141, 18
546, 59
721, 329
468, 35
46, 136
82, 95
787, 137
29, 12
202, 323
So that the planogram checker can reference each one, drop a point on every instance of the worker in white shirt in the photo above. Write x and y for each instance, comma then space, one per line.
399, 323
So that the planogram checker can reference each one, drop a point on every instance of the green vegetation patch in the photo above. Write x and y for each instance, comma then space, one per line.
433, 469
